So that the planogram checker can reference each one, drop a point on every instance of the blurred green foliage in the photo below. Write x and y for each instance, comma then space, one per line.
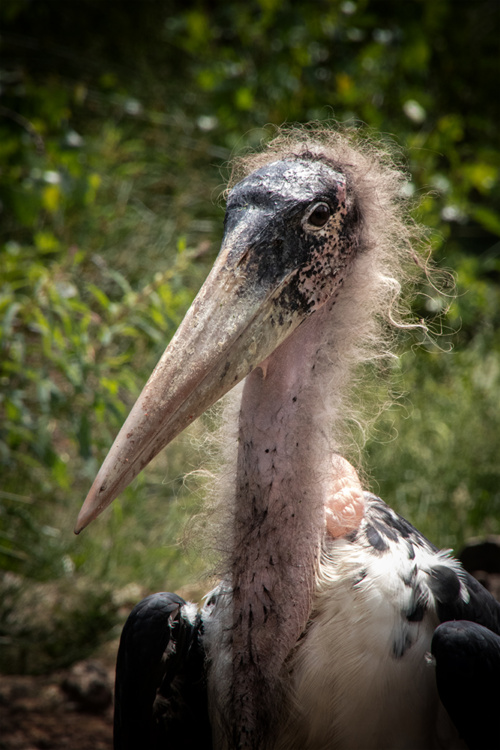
48, 626
116, 121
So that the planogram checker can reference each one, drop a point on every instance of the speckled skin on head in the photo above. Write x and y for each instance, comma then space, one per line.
273, 205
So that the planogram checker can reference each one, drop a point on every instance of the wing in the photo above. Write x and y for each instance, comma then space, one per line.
466, 647
478, 606
457, 595
160, 691
467, 672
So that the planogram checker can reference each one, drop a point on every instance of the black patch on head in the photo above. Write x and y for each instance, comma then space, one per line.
270, 205
375, 539
444, 583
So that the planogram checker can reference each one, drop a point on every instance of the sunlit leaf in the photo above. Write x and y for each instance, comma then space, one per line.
51, 198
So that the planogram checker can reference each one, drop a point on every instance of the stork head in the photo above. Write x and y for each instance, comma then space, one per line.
291, 232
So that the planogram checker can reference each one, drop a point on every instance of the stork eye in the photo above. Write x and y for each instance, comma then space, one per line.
319, 215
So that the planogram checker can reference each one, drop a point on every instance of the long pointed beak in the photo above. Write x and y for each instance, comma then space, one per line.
234, 323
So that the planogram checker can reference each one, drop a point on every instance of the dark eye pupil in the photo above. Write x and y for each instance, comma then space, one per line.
320, 215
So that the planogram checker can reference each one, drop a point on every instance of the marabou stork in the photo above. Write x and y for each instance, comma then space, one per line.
320, 633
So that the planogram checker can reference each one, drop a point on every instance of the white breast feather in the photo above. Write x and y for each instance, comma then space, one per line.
347, 682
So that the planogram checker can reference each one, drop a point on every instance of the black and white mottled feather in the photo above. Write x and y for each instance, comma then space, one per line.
407, 586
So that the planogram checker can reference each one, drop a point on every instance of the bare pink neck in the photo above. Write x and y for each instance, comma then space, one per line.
279, 522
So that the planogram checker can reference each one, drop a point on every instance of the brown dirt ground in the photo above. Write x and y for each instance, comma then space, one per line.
36, 713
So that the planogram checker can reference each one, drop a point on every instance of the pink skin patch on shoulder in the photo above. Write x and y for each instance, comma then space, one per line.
345, 505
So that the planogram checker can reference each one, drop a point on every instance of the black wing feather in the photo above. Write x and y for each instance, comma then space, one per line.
481, 607
160, 691
467, 672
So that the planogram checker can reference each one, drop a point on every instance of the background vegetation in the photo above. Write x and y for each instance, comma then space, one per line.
116, 121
